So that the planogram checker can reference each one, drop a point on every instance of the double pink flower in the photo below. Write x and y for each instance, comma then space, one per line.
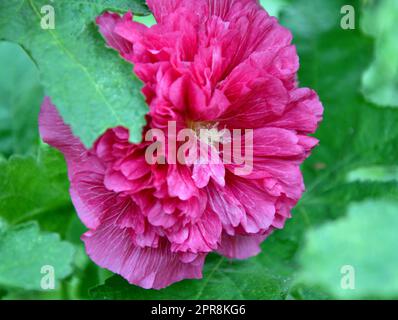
206, 63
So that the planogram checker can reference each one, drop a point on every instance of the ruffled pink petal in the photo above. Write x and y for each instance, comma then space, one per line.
208, 167
84, 169
254, 104
303, 113
202, 236
159, 217
194, 207
227, 207
107, 23
223, 8
280, 177
130, 216
276, 142
117, 182
56, 133
259, 207
286, 63
308, 143
162, 8
111, 146
240, 246
91, 199
112, 247
180, 183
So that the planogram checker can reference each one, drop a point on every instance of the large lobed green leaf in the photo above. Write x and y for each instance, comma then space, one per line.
24, 251
364, 241
91, 86
36, 187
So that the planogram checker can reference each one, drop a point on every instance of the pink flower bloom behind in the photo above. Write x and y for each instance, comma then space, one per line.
223, 63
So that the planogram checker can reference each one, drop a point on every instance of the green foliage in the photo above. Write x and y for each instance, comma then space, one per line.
24, 250
92, 88
147, 20
380, 81
18, 108
223, 279
356, 161
355, 135
365, 240
375, 173
36, 187
274, 7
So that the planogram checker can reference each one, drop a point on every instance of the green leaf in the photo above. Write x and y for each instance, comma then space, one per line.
147, 20
93, 88
24, 250
375, 173
305, 292
364, 240
274, 7
354, 134
36, 188
20, 98
222, 279
380, 81
2, 293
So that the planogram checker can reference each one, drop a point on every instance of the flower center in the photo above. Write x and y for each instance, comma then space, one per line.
208, 132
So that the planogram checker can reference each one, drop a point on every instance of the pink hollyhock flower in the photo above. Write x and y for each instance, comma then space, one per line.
219, 63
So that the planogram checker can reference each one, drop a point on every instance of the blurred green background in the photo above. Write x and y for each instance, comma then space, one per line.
344, 230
